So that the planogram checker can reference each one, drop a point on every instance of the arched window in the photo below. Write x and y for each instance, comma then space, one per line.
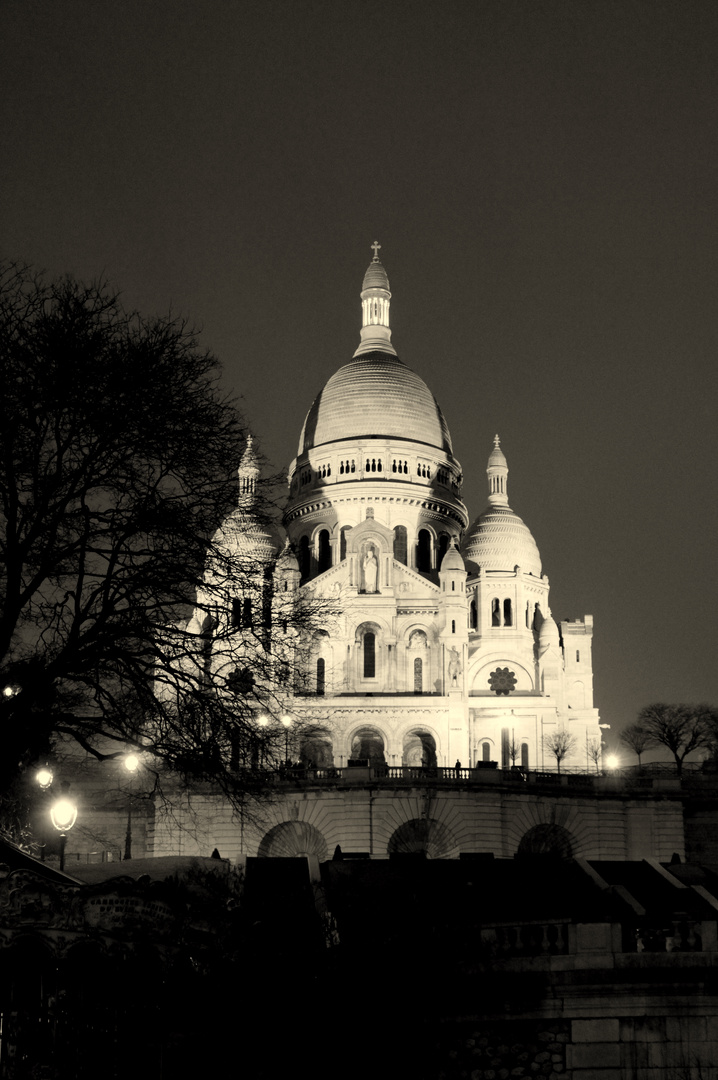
443, 545
400, 544
473, 618
247, 618
369, 656
453, 626
496, 612
236, 616
423, 552
321, 676
305, 562
324, 551
508, 616
525, 756
343, 542
578, 657
528, 615
418, 675
486, 751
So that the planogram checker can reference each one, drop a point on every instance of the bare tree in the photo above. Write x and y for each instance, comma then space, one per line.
680, 728
638, 739
561, 744
115, 448
594, 749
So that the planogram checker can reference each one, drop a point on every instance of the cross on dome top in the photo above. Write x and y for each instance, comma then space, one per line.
375, 247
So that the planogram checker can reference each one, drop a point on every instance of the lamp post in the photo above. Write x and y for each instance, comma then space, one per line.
287, 722
263, 723
63, 815
132, 764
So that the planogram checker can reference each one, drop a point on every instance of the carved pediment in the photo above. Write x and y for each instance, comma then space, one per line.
369, 531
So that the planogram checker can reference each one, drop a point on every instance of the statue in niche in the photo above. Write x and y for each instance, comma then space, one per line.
417, 640
454, 665
370, 569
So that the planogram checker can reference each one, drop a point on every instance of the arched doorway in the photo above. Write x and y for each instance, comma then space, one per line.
315, 751
368, 745
419, 750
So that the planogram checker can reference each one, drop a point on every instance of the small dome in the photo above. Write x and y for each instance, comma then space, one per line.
242, 536
287, 560
548, 634
452, 558
375, 395
499, 540
375, 277
497, 456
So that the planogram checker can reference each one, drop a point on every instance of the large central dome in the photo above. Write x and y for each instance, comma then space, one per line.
375, 395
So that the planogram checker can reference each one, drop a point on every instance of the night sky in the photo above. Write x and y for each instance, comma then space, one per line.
543, 180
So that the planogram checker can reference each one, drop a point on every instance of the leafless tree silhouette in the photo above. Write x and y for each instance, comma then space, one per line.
561, 744
117, 449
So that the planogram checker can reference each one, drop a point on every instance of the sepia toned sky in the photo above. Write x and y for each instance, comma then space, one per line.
543, 180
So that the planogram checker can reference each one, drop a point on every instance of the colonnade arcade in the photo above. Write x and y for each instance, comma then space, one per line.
420, 547
369, 744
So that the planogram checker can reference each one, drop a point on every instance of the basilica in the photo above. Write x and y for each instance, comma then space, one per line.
443, 647
434, 693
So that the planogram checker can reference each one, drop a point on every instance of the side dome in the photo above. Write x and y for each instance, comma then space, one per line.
499, 539
241, 536
375, 394
452, 559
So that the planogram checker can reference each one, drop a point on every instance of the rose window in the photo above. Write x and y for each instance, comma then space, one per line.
502, 681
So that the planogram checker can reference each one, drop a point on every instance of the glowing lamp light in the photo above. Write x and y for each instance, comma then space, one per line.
132, 763
63, 815
11, 690
612, 761
44, 777
262, 721
287, 721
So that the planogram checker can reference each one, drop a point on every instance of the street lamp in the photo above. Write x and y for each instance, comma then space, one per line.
63, 815
612, 761
44, 777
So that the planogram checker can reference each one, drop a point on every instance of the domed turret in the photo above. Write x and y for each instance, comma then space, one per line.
248, 475
548, 634
286, 570
375, 296
242, 534
499, 539
452, 559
